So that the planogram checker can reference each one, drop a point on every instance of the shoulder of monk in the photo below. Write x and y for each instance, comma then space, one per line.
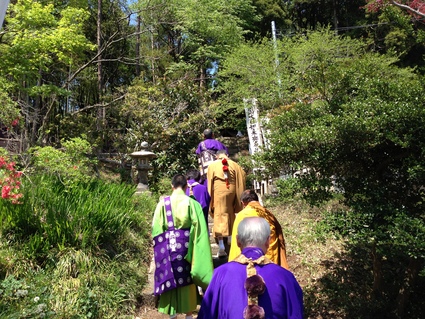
216, 163
192, 184
261, 210
234, 164
256, 204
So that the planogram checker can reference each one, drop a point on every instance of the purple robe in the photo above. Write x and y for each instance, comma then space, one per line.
200, 192
211, 144
226, 297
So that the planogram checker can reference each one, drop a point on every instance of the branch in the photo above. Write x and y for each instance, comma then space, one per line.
111, 41
409, 9
95, 59
99, 105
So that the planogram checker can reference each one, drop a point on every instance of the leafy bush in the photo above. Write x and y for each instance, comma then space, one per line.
162, 186
368, 136
71, 164
9, 111
288, 189
25, 298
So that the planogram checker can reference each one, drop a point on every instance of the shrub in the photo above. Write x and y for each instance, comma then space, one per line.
288, 189
9, 181
71, 164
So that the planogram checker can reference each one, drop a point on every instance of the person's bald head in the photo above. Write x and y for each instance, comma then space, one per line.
208, 133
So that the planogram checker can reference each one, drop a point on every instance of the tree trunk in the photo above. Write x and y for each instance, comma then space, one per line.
335, 17
409, 281
377, 272
138, 46
202, 77
101, 111
151, 28
37, 110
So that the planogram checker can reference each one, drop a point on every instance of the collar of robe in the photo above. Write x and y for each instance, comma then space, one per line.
254, 285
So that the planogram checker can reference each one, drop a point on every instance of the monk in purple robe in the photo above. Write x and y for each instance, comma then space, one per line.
198, 191
252, 286
206, 152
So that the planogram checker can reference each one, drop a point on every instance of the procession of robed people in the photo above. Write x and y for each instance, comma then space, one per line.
255, 282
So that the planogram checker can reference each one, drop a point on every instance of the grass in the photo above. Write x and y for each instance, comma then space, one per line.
336, 276
84, 255
307, 250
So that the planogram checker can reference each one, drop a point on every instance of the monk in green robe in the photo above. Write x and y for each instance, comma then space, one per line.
187, 214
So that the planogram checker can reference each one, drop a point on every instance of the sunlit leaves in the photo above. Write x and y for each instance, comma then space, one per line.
39, 37
362, 124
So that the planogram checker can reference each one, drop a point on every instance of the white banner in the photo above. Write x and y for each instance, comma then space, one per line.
257, 134
3, 8
253, 126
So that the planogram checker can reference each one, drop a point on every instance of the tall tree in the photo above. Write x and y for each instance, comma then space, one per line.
196, 33
400, 30
101, 110
38, 48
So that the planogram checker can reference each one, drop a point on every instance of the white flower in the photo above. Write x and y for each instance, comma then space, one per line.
41, 307
21, 293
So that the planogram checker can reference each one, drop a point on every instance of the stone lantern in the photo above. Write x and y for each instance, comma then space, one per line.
142, 166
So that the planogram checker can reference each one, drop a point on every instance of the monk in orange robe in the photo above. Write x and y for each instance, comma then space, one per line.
226, 181
276, 251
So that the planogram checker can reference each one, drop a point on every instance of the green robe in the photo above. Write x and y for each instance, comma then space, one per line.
187, 213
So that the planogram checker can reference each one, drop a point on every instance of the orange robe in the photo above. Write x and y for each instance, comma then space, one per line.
277, 250
225, 201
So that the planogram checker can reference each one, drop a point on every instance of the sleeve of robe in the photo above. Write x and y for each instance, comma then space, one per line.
240, 180
211, 300
199, 254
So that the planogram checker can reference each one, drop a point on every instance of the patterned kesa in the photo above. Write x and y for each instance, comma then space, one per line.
170, 248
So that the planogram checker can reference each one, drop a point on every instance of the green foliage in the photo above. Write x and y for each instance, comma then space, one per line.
86, 216
90, 286
90, 239
43, 39
9, 110
359, 134
71, 163
212, 27
42, 50
170, 116
369, 138
288, 189
162, 186
249, 71
25, 298
396, 34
